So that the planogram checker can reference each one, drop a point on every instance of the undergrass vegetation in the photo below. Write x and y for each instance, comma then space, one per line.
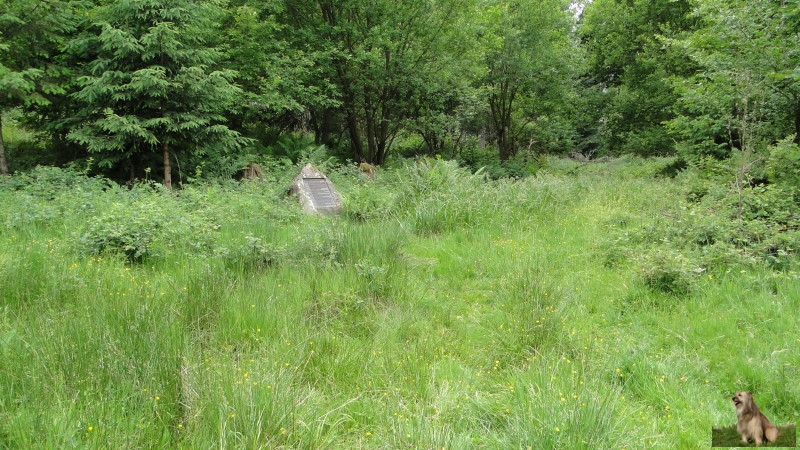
592, 305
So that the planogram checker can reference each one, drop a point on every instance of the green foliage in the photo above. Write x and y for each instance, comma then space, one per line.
411, 146
30, 41
31, 74
383, 58
742, 97
716, 223
673, 168
45, 196
437, 196
488, 161
152, 85
47, 183
527, 58
627, 84
370, 201
144, 228
667, 271
280, 82
461, 312
783, 165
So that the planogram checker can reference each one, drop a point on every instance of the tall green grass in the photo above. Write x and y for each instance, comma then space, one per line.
442, 310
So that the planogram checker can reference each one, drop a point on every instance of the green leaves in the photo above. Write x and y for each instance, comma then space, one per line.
20, 85
382, 58
747, 81
526, 55
30, 33
152, 80
630, 65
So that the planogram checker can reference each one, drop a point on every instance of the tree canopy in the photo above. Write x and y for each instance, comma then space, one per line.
133, 84
151, 84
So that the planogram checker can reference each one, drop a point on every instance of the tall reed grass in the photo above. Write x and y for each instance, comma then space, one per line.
468, 313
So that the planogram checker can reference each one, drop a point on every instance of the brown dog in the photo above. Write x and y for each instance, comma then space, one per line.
752, 423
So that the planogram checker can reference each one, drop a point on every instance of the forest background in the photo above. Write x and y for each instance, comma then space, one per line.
578, 227
157, 89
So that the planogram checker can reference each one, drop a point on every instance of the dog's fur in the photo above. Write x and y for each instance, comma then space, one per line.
752, 423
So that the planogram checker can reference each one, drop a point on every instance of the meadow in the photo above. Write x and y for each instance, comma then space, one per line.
591, 306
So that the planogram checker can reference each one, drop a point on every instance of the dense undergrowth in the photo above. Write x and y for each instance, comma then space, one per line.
594, 305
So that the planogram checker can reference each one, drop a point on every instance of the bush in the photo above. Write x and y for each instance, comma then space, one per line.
672, 168
144, 228
255, 254
667, 271
487, 160
48, 183
783, 164
369, 201
438, 196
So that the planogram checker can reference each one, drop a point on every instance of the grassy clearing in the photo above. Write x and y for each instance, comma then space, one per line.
441, 311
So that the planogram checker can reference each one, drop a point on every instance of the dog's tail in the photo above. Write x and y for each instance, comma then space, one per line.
772, 433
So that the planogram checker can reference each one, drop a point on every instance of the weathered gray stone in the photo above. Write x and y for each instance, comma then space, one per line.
316, 192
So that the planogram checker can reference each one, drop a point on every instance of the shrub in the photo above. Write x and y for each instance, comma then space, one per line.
667, 271
145, 228
48, 183
438, 196
671, 169
255, 254
783, 164
488, 161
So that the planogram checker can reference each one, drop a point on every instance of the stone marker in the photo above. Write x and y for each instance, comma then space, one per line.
316, 192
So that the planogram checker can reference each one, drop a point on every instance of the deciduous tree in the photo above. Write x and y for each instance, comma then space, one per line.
379, 55
746, 93
527, 55
630, 64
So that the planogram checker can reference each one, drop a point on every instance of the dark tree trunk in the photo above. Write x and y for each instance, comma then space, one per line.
355, 135
372, 143
434, 142
167, 168
324, 126
3, 164
500, 105
797, 123
353, 129
132, 171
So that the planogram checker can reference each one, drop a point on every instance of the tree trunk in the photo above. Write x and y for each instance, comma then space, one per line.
351, 117
132, 170
796, 124
324, 126
167, 168
3, 164
355, 135
165, 148
372, 147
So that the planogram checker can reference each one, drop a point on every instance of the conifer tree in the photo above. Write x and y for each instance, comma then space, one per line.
31, 33
152, 86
